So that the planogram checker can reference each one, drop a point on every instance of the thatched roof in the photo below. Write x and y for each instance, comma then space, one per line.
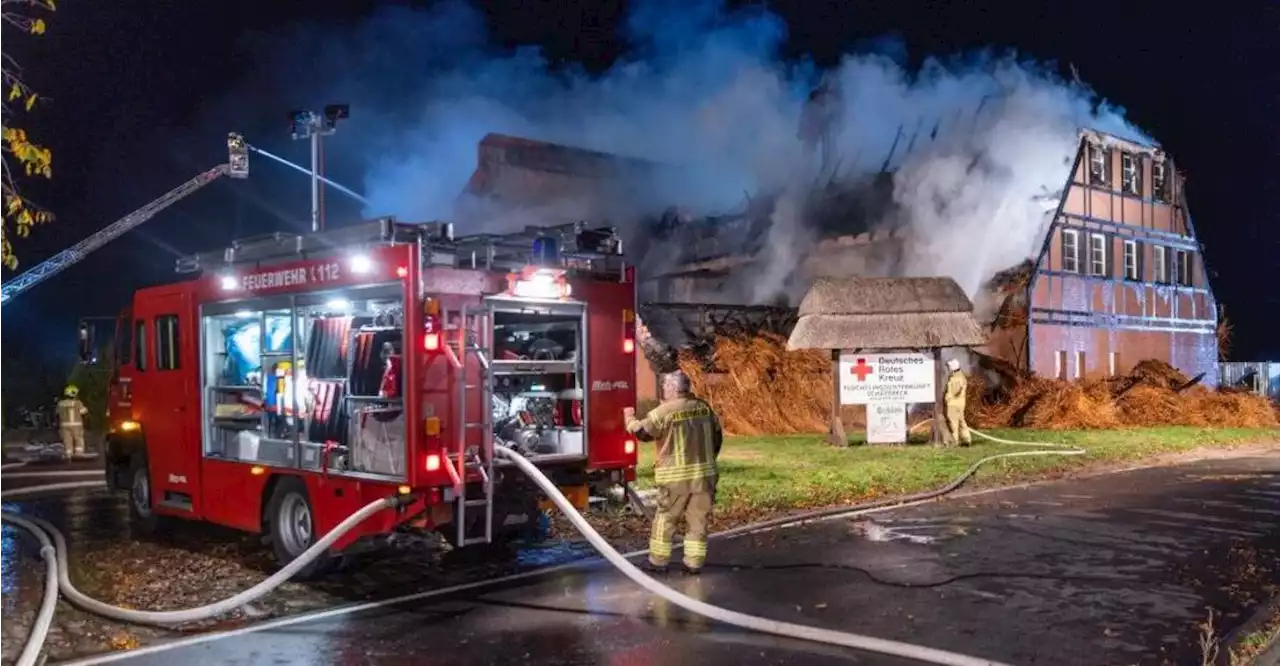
886, 313
539, 173
871, 295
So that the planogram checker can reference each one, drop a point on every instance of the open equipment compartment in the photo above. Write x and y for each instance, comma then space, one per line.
307, 381
366, 360
539, 372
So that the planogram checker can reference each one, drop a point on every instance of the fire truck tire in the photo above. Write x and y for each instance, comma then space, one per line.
144, 519
291, 527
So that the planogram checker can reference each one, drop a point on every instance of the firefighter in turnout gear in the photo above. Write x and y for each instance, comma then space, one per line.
688, 437
71, 413
957, 385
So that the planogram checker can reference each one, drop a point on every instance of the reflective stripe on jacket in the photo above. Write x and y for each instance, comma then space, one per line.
71, 412
689, 437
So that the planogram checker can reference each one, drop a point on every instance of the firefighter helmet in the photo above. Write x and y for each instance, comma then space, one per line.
71, 391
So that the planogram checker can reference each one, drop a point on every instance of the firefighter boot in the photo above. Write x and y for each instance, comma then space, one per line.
655, 568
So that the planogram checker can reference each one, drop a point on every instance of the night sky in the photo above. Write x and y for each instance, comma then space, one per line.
143, 93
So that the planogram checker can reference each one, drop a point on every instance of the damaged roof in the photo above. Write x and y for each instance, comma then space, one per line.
1129, 144
525, 171
886, 313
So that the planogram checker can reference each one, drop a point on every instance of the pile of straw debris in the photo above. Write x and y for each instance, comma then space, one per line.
757, 387
1152, 394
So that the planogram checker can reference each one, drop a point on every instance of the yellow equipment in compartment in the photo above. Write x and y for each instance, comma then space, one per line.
578, 496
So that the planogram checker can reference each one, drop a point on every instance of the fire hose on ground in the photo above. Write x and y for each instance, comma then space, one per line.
53, 549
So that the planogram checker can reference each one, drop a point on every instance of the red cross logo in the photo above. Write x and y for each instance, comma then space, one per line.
861, 369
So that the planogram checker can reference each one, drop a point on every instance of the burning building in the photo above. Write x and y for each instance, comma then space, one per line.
1115, 274
1118, 276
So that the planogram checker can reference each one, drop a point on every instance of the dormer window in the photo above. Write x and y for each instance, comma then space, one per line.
1131, 173
1099, 165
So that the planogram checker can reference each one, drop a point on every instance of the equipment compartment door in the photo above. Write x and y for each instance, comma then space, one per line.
539, 378
165, 402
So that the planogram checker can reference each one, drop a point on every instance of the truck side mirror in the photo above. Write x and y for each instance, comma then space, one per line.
84, 343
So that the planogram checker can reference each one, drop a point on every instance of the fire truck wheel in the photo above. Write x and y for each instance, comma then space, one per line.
144, 518
145, 521
291, 526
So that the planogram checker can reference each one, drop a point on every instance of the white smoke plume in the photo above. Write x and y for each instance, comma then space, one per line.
978, 198
703, 89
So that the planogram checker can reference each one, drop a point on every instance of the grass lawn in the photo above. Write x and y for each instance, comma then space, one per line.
799, 471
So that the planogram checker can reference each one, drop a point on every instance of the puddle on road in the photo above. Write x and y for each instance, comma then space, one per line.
8, 565
552, 553
920, 533
873, 531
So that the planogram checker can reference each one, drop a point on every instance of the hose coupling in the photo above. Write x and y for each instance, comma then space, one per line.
402, 501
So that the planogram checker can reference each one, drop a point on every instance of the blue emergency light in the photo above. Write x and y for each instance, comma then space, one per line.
546, 251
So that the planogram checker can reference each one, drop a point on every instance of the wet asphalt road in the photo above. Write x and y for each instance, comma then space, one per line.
1116, 569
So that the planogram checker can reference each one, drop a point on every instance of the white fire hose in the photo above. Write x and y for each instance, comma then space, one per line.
53, 549
55, 555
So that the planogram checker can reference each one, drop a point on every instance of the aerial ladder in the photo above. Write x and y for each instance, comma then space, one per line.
237, 167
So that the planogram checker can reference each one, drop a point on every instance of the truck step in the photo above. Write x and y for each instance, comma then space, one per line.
177, 503
476, 502
474, 540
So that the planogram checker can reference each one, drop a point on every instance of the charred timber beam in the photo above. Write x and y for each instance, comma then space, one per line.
691, 307
888, 159
694, 273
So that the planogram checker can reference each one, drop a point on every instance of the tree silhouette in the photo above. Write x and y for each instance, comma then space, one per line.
22, 156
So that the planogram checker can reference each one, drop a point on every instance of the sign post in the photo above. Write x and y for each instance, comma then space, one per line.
837, 436
939, 401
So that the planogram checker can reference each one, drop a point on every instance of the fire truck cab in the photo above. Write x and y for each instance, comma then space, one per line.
295, 378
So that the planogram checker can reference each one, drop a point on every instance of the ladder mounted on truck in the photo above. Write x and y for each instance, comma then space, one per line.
575, 246
472, 340
237, 166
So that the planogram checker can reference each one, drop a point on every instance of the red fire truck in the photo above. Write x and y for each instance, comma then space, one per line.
295, 378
